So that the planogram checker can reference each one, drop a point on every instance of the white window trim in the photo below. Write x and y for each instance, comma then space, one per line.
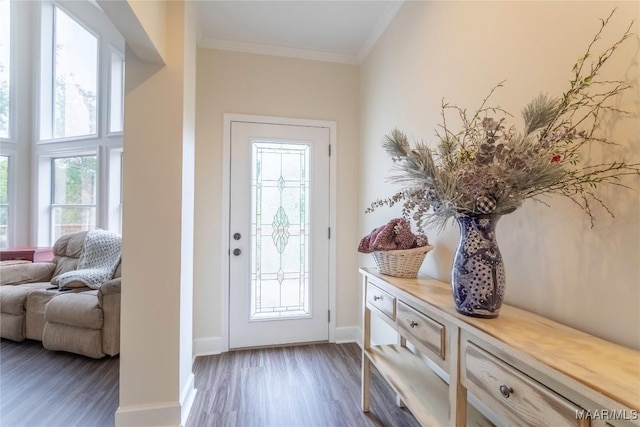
113, 207
45, 80
112, 50
47, 76
11, 197
104, 145
44, 187
13, 57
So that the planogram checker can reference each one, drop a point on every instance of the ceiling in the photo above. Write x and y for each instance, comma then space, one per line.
337, 31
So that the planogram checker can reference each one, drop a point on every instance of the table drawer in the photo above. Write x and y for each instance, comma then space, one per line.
381, 300
426, 331
512, 394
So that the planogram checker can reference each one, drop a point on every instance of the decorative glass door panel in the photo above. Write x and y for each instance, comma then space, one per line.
278, 242
279, 230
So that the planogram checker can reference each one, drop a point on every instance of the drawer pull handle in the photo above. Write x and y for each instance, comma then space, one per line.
413, 323
376, 297
505, 391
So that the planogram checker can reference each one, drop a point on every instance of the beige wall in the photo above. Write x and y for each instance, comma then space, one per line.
270, 86
556, 264
153, 16
156, 380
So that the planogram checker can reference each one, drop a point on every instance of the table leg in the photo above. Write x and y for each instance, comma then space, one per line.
366, 343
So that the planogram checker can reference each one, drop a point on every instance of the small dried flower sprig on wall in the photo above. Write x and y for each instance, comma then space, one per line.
488, 167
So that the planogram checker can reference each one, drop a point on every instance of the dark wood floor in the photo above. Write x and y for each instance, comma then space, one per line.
301, 386
55, 389
313, 385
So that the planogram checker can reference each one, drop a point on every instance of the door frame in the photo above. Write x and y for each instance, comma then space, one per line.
226, 204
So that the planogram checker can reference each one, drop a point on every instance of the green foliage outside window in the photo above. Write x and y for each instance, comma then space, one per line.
4, 180
4, 104
5, 60
74, 184
4, 200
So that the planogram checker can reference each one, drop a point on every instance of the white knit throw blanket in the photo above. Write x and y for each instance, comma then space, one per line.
98, 260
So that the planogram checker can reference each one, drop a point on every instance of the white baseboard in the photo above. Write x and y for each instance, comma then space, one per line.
156, 414
207, 346
187, 397
169, 414
348, 334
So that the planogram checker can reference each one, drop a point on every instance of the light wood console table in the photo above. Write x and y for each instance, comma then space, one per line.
528, 370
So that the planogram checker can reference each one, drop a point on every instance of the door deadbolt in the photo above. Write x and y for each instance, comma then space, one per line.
237, 252
236, 236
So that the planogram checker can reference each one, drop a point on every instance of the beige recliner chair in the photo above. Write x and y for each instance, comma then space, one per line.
81, 320
86, 322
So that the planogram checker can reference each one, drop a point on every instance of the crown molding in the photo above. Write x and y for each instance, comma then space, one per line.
313, 55
379, 29
265, 49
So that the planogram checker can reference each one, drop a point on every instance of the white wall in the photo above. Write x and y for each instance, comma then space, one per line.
230, 82
556, 264
25, 14
186, 15
156, 382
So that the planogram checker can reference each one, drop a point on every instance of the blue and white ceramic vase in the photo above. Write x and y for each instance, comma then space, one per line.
477, 276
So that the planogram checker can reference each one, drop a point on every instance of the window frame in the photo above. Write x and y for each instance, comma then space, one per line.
13, 31
46, 97
11, 190
53, 205
114, 51
45, 185
113, 214
8, 145
103, 144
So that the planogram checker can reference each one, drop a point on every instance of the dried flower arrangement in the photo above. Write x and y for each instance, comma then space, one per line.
489, 167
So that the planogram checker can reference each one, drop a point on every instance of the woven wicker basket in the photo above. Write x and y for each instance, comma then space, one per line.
401, 263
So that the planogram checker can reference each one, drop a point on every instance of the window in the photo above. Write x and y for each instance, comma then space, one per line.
4, 201
5, 68
116, 93
114, 214
69, 97
78, 144
73, 193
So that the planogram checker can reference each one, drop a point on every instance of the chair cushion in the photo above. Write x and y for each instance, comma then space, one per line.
26, 273
14, 298
58, 337
14, 262
34, 317
37, 301
12, 327
67, 251
75, 309
99, 259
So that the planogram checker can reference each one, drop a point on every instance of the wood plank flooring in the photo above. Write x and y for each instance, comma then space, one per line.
55, 389
299, 386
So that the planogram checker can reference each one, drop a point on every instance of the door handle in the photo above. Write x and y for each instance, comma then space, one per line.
237, 251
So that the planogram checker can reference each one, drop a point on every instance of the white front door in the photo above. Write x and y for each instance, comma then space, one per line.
278, 242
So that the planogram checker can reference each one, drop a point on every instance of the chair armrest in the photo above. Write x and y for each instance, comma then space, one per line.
109, 302
26, 273
110, 287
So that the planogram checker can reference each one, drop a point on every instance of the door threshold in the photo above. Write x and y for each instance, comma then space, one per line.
294, 344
